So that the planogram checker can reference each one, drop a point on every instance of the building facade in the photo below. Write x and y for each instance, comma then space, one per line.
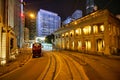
68, 20
47, 23
8, 37
22, 24
26, 35
77, 14
17, 20
30, 23
96, 33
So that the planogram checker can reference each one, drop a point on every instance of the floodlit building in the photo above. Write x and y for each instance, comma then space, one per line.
68, 20
96, 33
10, 24
47, 23
77, 14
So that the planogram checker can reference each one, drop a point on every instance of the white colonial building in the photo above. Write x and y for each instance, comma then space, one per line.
96, 33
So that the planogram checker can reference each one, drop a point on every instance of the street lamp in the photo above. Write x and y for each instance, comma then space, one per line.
32, 15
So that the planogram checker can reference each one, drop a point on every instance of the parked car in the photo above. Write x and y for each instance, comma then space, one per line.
36, 50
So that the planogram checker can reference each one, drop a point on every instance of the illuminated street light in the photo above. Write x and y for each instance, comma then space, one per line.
32, 15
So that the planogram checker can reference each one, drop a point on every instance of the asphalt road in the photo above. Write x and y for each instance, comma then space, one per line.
30, 71
66, 65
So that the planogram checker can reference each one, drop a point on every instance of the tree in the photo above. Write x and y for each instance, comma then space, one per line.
49, 38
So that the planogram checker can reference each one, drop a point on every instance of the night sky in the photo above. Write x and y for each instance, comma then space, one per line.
65, 8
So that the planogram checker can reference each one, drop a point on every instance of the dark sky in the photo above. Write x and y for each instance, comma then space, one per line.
65, 8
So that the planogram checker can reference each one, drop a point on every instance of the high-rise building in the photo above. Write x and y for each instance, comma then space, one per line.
89, 6
77, 14
31, 25
68, 20
47, 23
26, 34
19, 22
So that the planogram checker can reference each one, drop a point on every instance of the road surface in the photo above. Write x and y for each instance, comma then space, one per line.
66, 65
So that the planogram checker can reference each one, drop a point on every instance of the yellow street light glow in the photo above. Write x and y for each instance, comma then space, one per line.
32, 15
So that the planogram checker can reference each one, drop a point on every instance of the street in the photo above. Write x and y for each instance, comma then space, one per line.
67, 65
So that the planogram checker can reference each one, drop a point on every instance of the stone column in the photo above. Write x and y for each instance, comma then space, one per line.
0, 40
106, 39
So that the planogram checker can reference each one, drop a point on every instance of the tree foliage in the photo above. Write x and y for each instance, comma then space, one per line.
49, 38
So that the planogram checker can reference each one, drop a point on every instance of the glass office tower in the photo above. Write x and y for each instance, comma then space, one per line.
47, 23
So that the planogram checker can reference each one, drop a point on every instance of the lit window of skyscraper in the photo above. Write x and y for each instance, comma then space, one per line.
47, 23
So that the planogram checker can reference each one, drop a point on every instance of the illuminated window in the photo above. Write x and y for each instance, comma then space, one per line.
87, 45
62, 35
78, 31
66, 34
79, 45
87, 30
84, 31
101, 28
95, 29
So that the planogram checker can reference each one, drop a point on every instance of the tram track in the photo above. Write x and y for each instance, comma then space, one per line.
50, 71
85, 59
75, 69
90, 67
69, 69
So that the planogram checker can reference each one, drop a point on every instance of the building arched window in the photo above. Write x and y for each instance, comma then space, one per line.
102, 28
62, 35
66, 34
78, 31
95, 29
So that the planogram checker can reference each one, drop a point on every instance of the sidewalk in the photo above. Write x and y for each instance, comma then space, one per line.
23, 56
115, 57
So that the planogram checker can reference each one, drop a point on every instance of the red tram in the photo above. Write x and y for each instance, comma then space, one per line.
36, 50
